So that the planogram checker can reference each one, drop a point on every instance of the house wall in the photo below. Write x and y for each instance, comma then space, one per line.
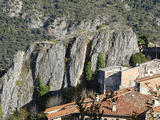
151, 83
128, 77
118, 77
112, 82
101, 78
145, 69
110, 78
149, 68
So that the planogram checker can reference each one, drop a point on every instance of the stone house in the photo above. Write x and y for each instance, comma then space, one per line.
113, 79
110, 78
145, 84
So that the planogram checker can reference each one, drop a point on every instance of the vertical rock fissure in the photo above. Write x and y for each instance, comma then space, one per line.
87, 59
67, 65
33, 65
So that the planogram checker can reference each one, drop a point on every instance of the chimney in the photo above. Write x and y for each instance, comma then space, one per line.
114, 108
96, 97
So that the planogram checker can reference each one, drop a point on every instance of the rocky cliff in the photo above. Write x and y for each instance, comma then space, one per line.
61, 62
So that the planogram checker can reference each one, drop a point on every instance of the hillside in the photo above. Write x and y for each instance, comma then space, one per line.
25, 21
52, 49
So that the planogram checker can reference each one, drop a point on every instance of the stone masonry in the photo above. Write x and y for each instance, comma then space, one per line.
141, 77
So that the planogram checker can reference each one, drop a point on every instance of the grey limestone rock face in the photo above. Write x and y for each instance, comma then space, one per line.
34, 18
43, 59
123, 45
76, 61
58, 28
62, 29
100, 44
49, 64
116, 45
157, 21
9, 88
63, 66
12, 7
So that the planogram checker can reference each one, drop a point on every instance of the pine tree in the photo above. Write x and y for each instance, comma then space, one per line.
41, 88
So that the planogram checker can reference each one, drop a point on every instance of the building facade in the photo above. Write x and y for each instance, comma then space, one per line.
118, 77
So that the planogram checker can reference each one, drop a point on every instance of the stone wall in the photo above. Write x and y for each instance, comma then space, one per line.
128, 76
151, 83
112, 82
118, 77
148, 68
110, 78
143, 70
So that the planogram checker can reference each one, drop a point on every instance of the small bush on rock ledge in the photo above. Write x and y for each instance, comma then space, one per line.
41, 88
137, 59
101, 61
88, 71
1, 112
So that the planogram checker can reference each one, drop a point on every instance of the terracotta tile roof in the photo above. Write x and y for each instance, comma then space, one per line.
147, 78
58, 107
128, 102
63, 112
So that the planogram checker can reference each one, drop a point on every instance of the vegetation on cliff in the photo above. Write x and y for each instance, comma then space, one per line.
137, 58
101, 61
15, 32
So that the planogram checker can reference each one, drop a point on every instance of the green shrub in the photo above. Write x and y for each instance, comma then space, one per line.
126, 65
18, 83
41, 88
141, 41
88, 71
19, 115
53, 40
41, 116
137, 59
101, 61
100, 27
1, 112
